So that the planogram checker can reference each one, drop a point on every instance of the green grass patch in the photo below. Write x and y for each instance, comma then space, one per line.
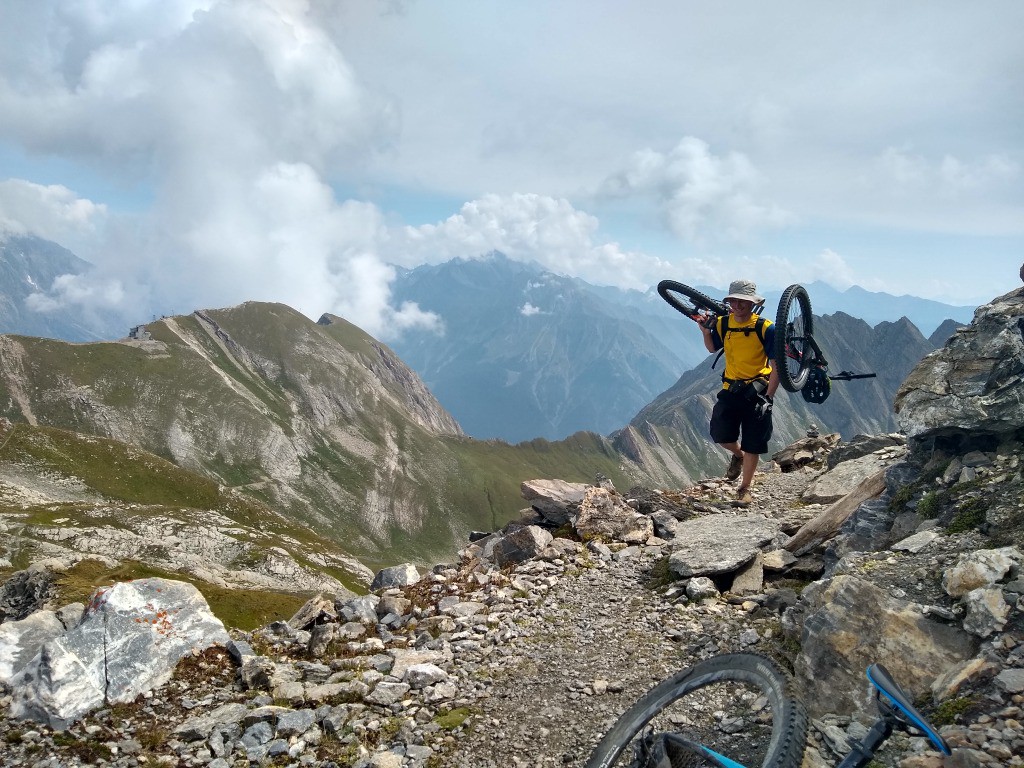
108, 467
453, 719
660, 575
238, 608
952, 710
928, 507
899, 501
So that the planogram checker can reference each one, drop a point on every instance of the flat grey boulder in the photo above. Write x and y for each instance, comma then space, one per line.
862, 445
714, 544
831, 486
396, 576
555, 500
131, 637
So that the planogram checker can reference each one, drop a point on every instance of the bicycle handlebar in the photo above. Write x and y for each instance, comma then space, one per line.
847, 375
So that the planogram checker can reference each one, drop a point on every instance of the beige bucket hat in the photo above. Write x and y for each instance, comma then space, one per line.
744, 289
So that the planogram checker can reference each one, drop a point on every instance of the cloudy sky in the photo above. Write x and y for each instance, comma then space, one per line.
205, 152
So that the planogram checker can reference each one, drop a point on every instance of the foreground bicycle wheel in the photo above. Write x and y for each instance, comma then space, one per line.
741, 706
697, 300
794, 345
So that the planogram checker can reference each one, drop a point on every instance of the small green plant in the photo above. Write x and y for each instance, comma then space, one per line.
949, 712
970, 516
900, 499
334, 749
929, 505
660, 575
87, 751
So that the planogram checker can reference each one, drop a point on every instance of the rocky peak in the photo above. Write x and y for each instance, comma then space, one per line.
970, 393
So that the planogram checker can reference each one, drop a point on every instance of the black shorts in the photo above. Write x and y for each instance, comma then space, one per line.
734, 414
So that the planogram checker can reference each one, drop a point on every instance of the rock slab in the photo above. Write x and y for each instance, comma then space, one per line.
130, 638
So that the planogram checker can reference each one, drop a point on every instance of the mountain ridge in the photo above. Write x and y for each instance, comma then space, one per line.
488, 370
319, 421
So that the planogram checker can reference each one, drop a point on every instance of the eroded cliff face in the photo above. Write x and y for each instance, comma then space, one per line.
971, 391
318, 419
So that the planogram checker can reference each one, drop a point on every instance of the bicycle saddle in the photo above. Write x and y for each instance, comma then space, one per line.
883, 681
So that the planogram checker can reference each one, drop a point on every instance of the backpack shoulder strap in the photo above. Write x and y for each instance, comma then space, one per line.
723, 328
759, 328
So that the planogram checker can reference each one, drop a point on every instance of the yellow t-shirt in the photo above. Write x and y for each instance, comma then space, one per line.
745, 356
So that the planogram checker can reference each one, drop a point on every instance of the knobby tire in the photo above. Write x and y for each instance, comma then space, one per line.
667, 289
782, 748
794, 347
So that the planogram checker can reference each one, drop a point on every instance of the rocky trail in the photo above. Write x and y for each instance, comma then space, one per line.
600, 639
474, 666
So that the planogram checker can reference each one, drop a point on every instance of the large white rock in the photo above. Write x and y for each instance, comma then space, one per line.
981, 568
128, 642
21, 640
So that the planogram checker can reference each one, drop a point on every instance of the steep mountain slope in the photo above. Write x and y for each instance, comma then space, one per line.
526, 353
669, 436
77, 499
318, 420
29, 264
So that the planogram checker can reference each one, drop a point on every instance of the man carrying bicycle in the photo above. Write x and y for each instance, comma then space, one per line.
749, 382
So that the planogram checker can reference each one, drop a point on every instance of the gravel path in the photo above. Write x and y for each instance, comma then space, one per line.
596, 644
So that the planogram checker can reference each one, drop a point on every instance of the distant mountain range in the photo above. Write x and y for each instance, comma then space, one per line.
29, 265
528, 353
525, 353
329, 433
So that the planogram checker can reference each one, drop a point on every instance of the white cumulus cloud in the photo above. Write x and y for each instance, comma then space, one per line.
234, 112
527, 227
702, 196
50, 211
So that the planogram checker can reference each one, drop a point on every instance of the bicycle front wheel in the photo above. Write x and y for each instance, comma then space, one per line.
697, 300
794, 345
741, 706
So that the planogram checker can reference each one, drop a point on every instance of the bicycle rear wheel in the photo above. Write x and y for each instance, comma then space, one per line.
739, 705
697, 300
794, 345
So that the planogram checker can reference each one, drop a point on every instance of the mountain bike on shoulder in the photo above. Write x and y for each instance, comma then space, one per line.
799, 360
740, 710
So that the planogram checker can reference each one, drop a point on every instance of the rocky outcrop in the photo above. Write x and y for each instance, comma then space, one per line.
843, 477
128, 642
851, 623
970, 392
26, 592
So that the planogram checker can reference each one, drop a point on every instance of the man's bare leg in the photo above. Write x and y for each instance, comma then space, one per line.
750, 461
